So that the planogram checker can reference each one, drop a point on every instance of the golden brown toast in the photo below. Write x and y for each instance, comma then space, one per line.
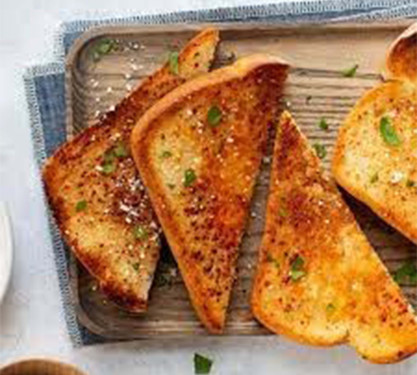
96, 193
318, 279
401, 59
375, 157
198, 151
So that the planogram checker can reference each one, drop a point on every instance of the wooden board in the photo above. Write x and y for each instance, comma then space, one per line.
316, 89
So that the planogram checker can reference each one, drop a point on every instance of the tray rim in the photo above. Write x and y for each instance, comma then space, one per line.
99, 31
96, 32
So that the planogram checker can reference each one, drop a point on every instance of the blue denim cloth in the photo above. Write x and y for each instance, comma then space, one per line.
46, 99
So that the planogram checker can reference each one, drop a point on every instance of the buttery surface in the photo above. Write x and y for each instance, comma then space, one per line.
318, 279
96, 193
198, 151
375, 155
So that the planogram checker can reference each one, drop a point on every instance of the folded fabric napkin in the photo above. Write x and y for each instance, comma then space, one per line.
46, 92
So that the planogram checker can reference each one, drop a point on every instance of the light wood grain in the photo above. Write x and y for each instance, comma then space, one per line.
316, 89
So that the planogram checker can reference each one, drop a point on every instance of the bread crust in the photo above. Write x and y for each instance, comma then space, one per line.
226, 159
333, 298
401, 59
102, 234
377, 173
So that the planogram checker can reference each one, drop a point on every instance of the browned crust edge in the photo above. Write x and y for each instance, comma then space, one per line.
279, 329
140, 143
401, 57
74, 148
337, 162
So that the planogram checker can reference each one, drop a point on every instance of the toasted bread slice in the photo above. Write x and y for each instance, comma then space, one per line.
198, 151
375, 157
401, 60
318, 280
97, 196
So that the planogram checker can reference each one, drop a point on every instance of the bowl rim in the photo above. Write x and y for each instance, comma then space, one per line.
6, 248
41, 360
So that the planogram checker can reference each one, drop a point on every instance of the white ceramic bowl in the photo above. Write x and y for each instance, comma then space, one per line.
6, 250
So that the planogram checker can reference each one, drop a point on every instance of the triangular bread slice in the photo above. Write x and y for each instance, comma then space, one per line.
198, 151
318, 279
375, 157
96, 193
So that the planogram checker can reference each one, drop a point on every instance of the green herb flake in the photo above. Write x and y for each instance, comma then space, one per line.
323, 125
108, 168
202, 365
189, 177
350, 72
120, 150
320, 150
103, 47
171, 186
297, 269
166, 154
407, 273
298, 263
388, 133
109, 156
374, 178
81, 206
297, 275
282, 212
140, 232
330, 308
410, 183
214, 116
136, 266
173, 62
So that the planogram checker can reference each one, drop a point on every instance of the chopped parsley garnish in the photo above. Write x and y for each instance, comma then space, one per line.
136, 266
374, 178
296, 275
350, 72
171, 186
297, 269
81, 206
202, 365
323, 125
173, 62
121, 151
407, 273
388, 133
166, 154
330, 308
410, 183
189, 177
282, 212
108, 168
103, 47
140, 232
214, 116
320, 150
109, 156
